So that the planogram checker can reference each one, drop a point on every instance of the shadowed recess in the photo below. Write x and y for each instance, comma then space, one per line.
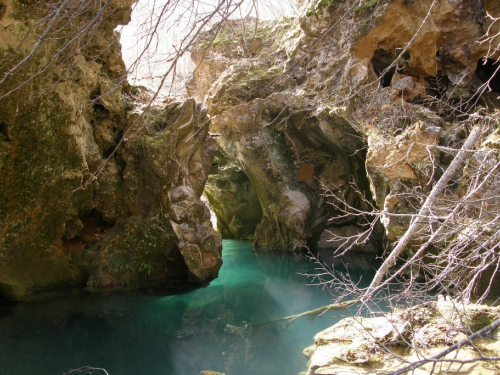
487, 70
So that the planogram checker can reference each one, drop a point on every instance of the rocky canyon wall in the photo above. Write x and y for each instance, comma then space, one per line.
305, 123
290, 149
345, 95
75, 208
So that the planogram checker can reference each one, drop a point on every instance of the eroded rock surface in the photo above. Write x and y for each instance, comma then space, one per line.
294, 110
74, 208
296, 107
289, 150
56, 129
234, 201
358, 345
163, 221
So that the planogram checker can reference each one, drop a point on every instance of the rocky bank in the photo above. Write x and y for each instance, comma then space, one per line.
352, 102
347, 103
382, 345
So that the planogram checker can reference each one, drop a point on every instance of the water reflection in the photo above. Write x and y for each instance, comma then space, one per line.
134, 333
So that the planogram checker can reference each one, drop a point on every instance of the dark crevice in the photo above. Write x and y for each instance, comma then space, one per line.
480, 13
6, 305
4, 131
101, 111
381, 60
486, 71
109, 151
435, 86
120, 162
94, 221
95, 94
92, 231
3, 10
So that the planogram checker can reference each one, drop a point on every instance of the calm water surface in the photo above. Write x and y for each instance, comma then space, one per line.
149, 334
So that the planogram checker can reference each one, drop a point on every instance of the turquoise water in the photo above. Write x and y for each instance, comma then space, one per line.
138, 333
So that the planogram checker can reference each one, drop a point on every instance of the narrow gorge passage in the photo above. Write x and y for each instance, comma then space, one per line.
330, 129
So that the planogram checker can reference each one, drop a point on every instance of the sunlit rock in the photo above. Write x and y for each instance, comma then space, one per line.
85, 183
358, 345
165, 224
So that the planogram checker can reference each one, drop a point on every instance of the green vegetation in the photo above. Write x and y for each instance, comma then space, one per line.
370, 4
222, 38
146, 269
310, 12
328, 3
322, 4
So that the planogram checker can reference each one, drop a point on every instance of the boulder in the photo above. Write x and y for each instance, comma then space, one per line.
385, 344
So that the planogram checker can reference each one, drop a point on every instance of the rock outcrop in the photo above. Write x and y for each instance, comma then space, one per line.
308, 106
360, 345
289, 150
309, 112
74, 208
154, 202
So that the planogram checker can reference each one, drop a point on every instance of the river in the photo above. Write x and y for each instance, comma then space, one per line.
181, 333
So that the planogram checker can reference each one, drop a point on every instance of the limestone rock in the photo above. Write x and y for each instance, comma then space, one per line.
234, 201
270, 154
379, 345
271, 138
198, 243
394, 164
48, 148
164, 224
276, 111
74, 208
347, 245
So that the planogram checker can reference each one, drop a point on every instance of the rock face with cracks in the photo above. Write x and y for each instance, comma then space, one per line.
359, 345
288, 150
294, 112
75, 209
297, 110
165, 225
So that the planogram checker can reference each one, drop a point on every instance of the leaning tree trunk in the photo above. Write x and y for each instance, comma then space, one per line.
419, 219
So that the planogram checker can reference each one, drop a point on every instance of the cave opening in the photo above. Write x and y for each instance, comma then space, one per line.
233, 201
381, 60
487, 70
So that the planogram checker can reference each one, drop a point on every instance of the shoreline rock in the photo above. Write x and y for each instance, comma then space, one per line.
371, 346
